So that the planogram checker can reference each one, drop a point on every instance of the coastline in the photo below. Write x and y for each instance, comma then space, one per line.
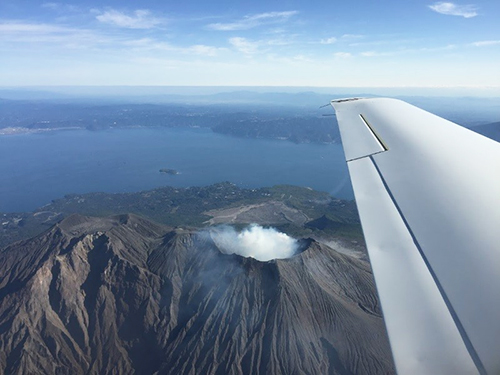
19, 130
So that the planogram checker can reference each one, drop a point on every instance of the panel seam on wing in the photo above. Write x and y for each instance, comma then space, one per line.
366, 156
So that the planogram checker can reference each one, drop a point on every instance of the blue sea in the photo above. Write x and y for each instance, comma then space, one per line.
39, 167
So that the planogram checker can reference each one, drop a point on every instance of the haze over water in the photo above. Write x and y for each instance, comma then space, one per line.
36, 168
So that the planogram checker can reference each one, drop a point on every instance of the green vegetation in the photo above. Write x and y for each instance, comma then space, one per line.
187, 207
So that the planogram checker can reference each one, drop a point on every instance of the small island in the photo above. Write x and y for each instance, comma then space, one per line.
169, 171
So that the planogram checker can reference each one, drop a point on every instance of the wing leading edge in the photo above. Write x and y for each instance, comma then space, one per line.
428, 195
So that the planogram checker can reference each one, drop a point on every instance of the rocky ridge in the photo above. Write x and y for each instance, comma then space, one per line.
123, 295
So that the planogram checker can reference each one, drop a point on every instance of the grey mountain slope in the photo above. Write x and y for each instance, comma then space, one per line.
123, 295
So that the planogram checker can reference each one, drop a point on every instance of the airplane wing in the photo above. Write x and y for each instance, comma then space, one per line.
428, 195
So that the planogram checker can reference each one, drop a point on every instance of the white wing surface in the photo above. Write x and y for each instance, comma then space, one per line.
428, 195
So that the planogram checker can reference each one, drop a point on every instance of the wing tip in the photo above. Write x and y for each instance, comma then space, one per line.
341, 100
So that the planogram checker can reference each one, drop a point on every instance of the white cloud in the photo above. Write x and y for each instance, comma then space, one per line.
342, 55
295, 60
250, 47
276, 42
393, 40
20, 27
18, 32
352, 36
404, 51
60, 7
452, 9
38, 33
50, 5
148, 44
251, 21
203, 50
302, 58
140, 19
370, 54
244, 45
448, 47
484, 43
328, 40
143, 42
156, 62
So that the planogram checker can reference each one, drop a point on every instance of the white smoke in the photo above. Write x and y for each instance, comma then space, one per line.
256, 242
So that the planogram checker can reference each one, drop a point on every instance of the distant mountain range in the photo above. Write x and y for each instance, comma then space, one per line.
489, 130
296, 117
125, 295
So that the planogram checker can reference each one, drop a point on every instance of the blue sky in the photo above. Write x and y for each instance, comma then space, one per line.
354, 43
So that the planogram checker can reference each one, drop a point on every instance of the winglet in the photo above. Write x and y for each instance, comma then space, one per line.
345, 100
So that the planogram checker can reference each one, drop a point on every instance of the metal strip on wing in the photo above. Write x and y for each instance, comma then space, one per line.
374, 132
376, 136
468, 344
358, 139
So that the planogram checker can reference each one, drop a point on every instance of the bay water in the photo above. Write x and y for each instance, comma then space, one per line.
36, 168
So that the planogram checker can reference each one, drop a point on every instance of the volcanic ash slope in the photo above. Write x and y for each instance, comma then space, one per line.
123, 295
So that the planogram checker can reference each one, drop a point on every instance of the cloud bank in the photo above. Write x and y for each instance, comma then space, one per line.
451, 9
255, 242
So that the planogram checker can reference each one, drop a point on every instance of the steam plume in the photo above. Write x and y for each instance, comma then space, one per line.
256, 242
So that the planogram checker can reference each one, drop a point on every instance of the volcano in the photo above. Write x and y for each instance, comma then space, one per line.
122, 295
